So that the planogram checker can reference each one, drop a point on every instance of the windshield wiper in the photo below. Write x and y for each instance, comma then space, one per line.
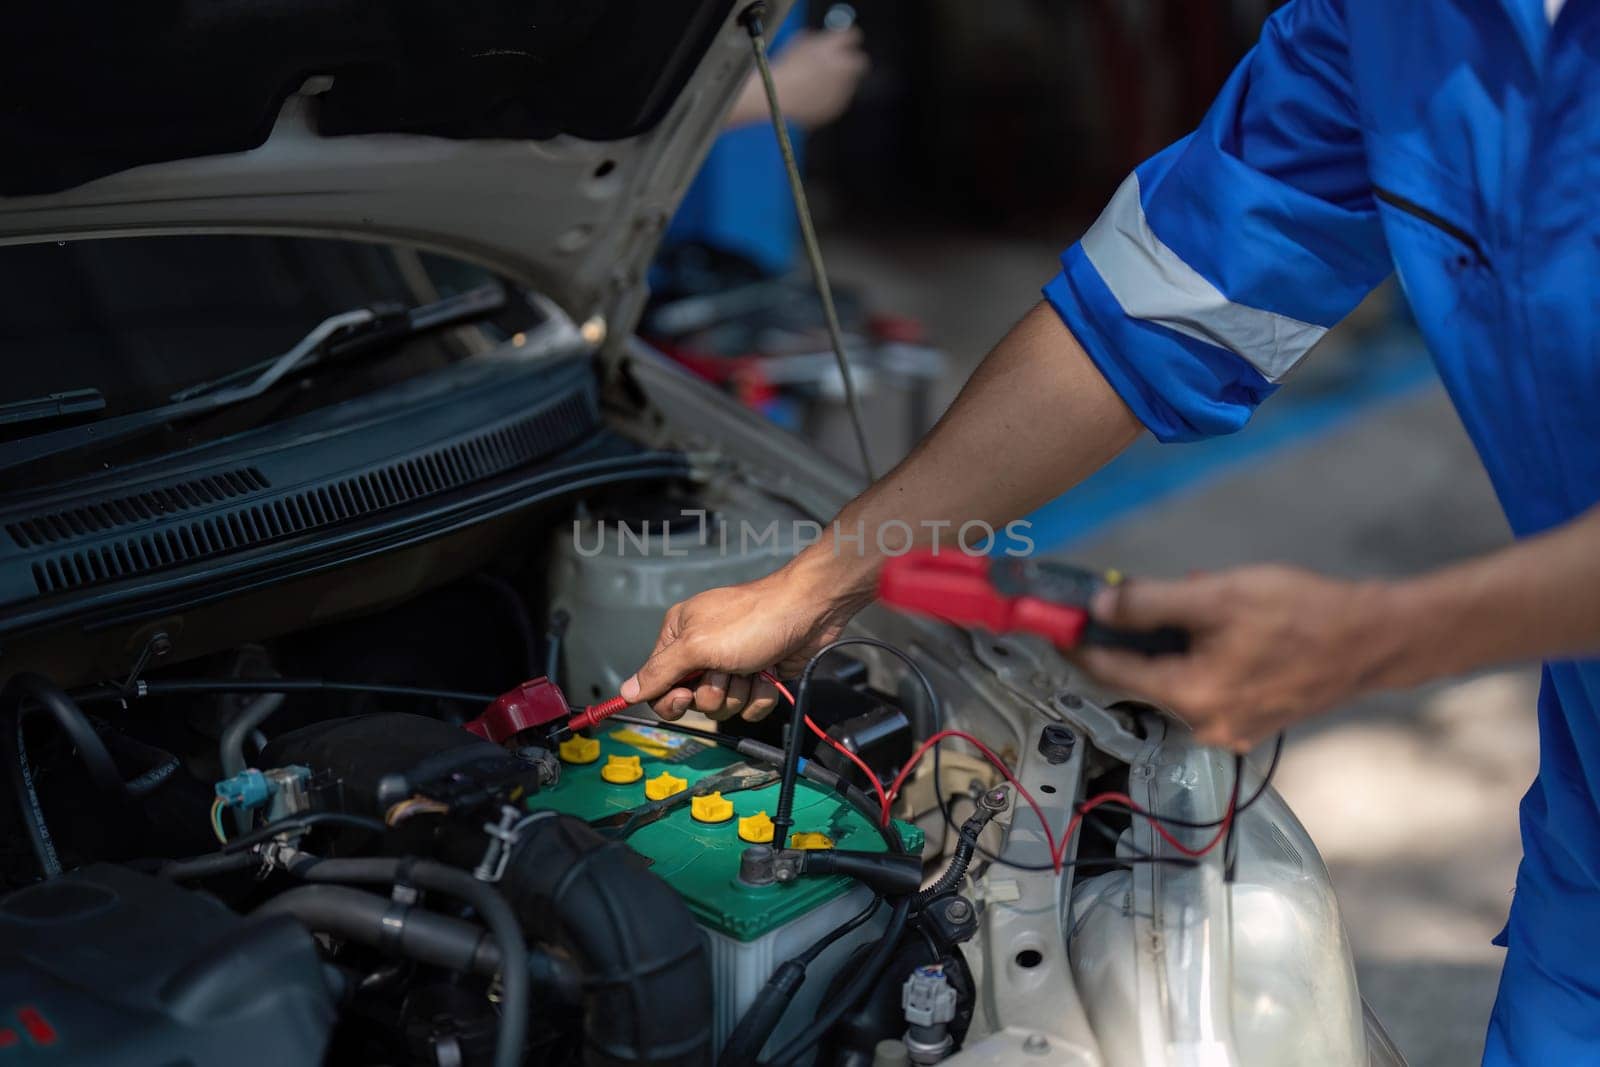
340, 336
51, 406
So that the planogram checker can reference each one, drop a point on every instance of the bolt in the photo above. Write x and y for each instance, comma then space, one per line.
1071, 700
958, 911
160, 644
786, 866
1036, 1044
1056, 743
996, 799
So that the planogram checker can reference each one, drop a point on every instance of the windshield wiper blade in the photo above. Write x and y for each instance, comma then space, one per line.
337, 336
52, 406
390, 322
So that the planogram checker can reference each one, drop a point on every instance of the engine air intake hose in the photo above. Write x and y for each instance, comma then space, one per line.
495, 912
647, 979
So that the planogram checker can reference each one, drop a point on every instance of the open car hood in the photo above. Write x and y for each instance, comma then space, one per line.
547, 139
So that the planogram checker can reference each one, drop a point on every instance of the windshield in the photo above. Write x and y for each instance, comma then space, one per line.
141, 319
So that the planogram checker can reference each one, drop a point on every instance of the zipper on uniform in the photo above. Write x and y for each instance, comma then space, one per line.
1445, 226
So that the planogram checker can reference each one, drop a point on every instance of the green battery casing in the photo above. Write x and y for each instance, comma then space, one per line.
701, 860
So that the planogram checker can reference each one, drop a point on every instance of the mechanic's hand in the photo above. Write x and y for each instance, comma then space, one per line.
775, 623
1269, 645
816, 74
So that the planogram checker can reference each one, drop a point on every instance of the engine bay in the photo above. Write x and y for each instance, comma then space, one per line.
324, 845
242, 837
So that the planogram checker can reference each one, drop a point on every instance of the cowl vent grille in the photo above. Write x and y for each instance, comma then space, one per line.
87, 520
248, 524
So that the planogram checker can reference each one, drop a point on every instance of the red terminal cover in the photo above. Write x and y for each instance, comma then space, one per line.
956, 587
536, 702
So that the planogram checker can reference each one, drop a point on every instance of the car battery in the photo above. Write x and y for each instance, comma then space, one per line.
696, 850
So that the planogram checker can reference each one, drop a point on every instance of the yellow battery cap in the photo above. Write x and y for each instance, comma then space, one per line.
579, 749
711, 808
664, 785
810, 839
756, 829
620, 770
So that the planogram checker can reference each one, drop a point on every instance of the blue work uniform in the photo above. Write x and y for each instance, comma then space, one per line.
739, 201
1455, 143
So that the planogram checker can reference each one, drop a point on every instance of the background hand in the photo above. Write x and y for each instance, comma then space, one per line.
816, 75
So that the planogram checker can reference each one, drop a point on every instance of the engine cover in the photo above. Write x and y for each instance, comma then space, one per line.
109, 966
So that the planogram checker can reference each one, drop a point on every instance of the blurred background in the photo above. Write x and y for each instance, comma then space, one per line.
952, 152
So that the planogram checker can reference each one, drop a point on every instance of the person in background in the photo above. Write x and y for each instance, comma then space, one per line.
738, 207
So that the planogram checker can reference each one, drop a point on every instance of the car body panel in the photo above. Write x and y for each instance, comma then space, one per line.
576, 219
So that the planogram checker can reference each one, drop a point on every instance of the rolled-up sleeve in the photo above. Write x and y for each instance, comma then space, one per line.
1223, 259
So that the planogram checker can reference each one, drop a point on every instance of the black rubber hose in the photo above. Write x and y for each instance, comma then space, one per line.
647, 990
205, 866
381, 923
49, 697
305, 821
230, 747
491, 908
28, 806
14, 713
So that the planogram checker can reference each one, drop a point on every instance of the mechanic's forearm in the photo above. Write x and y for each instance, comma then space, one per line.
749, 106
1035, 418
1537, 599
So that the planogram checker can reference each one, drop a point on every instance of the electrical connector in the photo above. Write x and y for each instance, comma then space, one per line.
245, 791
929, 1003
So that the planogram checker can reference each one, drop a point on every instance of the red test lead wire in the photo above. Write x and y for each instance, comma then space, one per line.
595, 714
1058, 849
1155, 822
